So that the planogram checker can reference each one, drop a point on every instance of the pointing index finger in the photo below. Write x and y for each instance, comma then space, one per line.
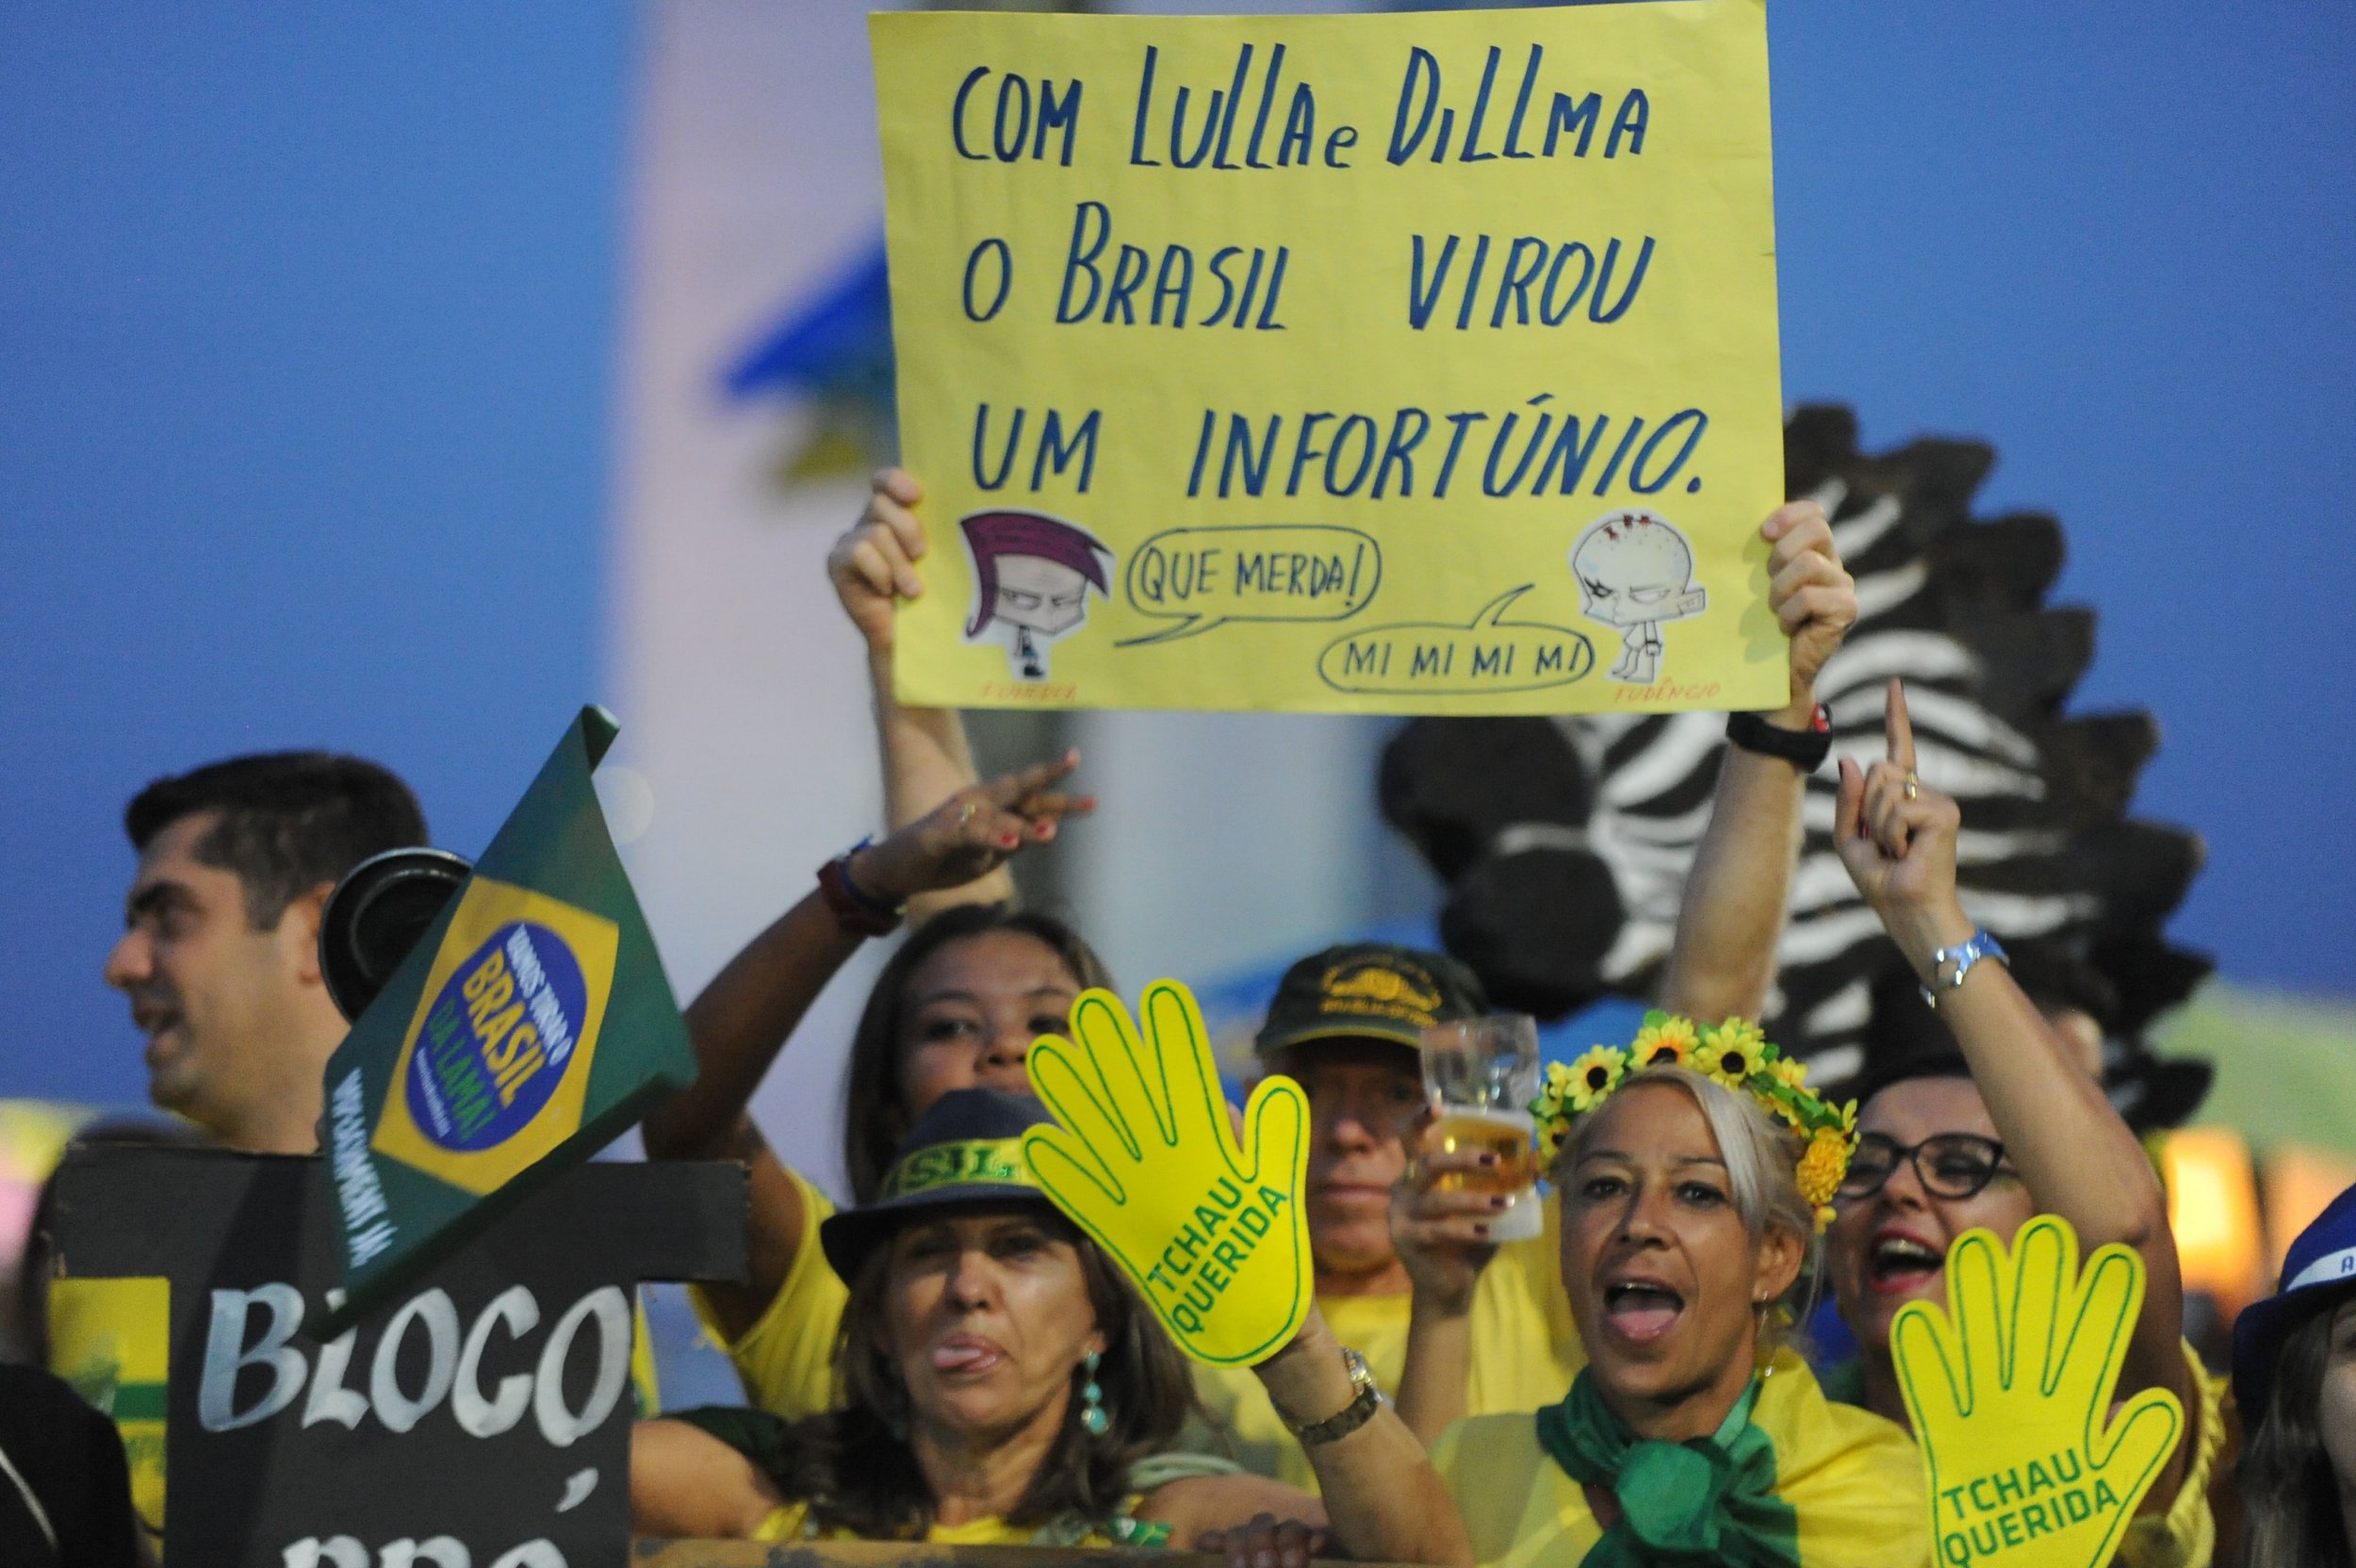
1900, 728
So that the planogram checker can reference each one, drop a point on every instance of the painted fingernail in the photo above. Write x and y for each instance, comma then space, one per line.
1479, 1230
1498, 1202
1487, 1161
1007, 840
1043, 830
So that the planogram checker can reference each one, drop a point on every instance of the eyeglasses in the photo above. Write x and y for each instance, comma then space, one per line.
1950, 1165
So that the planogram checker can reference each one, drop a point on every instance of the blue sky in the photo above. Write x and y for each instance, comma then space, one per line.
308, 381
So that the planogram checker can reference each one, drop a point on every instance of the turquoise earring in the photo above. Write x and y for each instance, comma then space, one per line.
1092, 1416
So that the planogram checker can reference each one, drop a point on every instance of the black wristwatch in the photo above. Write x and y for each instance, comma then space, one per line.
1805, 749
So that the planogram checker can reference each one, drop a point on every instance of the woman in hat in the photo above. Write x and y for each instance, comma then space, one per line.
2295, 1375
956, 1005
1695, 1167
1004, 1386
2011, 1125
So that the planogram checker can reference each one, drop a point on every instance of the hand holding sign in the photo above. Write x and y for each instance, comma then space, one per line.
1145, 1161
2010, 1390
873, 564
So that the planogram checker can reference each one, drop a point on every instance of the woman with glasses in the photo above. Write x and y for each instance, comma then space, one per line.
2010, 1126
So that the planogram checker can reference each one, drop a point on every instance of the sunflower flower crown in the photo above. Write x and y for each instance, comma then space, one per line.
1737, 1054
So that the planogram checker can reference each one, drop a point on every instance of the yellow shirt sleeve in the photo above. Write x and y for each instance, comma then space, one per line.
1526, 1351
786, 1360
2186, 1535
783, 1522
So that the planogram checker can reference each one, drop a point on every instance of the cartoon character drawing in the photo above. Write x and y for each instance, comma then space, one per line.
1034, 573
1635, 570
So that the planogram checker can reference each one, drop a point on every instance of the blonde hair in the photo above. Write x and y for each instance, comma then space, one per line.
1762, 1157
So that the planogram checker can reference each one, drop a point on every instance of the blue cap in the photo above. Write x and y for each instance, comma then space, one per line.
2316, 1271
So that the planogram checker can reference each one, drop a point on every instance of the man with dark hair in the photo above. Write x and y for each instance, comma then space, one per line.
219, 951
220, 958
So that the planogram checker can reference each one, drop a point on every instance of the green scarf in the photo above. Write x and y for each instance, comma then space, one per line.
1708, 1501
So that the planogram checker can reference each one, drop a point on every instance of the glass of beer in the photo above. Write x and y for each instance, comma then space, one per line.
1481, 1074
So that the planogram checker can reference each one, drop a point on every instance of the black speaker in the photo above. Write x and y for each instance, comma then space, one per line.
375, 916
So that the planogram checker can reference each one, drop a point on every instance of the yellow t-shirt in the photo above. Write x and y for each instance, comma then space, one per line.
786, 1360
1854, 1481
2185, 1536
792, 1523
1526, 1351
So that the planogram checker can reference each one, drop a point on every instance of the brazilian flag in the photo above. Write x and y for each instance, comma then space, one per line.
528, 1028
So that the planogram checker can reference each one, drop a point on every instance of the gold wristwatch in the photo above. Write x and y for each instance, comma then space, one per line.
1350, 1416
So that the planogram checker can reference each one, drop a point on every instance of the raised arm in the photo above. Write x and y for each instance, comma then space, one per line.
743, 1017
1441, 1236
2077, 1155
925, 757
1722, 958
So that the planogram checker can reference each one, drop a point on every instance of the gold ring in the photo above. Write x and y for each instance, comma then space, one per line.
966, 813
1914, 786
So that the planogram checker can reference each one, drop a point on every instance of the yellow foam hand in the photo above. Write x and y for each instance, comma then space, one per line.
1145, 1161
2010, 1390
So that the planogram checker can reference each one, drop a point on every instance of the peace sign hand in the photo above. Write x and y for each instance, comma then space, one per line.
1145, 1160
2010, 1390
972, 833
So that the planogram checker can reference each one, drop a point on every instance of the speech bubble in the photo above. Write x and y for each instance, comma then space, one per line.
1491, 654
1254, 572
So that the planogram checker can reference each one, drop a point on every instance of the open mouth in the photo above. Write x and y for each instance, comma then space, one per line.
1641, 1310
160, 1038
1901, 1264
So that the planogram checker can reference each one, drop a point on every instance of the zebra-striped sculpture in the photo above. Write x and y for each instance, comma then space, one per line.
1565, 842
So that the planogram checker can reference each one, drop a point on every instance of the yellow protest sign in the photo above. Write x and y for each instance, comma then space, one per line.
2010, 1394
1142, 1158
1391, 362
